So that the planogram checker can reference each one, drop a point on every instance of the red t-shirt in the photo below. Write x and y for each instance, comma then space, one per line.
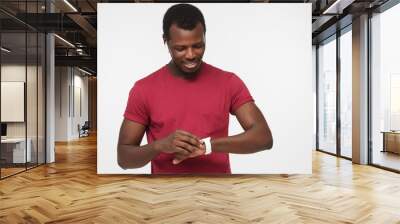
165, 103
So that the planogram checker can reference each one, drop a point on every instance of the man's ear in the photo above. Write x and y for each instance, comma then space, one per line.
164, 38
166, 43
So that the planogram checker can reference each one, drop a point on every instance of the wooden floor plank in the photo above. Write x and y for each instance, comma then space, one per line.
70, 191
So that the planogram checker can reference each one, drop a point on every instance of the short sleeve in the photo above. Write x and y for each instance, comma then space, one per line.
239, 93
136, 109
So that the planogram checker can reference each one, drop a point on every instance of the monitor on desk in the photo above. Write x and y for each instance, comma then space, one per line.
3, 130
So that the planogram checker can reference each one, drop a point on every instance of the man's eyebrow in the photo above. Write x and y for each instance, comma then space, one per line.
183, 45
178, 45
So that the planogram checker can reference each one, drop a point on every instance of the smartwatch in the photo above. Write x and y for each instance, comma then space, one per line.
207, 144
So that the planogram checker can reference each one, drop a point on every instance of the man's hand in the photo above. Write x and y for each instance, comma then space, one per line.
180, 142
180, 157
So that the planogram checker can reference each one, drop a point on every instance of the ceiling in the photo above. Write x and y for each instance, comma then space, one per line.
76, 22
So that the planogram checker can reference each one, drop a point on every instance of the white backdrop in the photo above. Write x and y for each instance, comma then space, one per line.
267, 45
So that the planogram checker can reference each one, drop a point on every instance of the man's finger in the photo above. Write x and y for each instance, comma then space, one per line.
176, 161
186, 146
181, 150
179, 158
196, 153
188, 134
190, 140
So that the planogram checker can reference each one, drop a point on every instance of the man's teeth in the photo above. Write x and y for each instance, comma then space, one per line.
191, 65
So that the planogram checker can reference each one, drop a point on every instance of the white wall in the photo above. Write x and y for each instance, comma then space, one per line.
80, 109
69, 84
61, 103
269, 50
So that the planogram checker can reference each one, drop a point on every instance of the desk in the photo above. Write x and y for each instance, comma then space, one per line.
391, 141
13, 150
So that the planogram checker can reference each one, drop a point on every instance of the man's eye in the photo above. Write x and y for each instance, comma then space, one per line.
179, 49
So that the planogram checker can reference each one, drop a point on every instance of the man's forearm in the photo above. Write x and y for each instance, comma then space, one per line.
130, 156
252, 140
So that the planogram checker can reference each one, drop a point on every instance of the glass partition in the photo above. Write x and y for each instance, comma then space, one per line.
13, 109
22, 77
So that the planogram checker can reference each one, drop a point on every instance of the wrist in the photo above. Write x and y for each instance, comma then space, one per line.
156, 146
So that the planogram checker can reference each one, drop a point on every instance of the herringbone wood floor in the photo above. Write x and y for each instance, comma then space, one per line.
70, 191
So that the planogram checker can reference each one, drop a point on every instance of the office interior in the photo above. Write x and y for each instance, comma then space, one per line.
48, 76
48, 84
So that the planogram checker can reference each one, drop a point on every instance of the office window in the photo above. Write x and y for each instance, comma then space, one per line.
346, 94
327, 96
385, 88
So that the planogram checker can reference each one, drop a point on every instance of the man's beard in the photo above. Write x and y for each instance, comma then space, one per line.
186, 75
189, 75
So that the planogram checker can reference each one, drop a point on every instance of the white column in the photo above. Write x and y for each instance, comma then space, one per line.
50, 100
360, 90
50, 92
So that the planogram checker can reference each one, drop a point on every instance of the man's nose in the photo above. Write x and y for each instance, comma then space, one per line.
190, 54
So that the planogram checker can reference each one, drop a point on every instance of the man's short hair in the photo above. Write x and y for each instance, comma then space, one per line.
185, 16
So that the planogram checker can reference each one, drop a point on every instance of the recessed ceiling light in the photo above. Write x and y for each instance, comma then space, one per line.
70, 5
337, 7
64, 40
5, 50
84, 71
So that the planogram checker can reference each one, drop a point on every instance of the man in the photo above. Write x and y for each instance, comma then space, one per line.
184, 108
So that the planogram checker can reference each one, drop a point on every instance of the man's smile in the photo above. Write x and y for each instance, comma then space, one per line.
190, 65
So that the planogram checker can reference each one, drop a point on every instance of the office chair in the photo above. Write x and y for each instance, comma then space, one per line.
84, 130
